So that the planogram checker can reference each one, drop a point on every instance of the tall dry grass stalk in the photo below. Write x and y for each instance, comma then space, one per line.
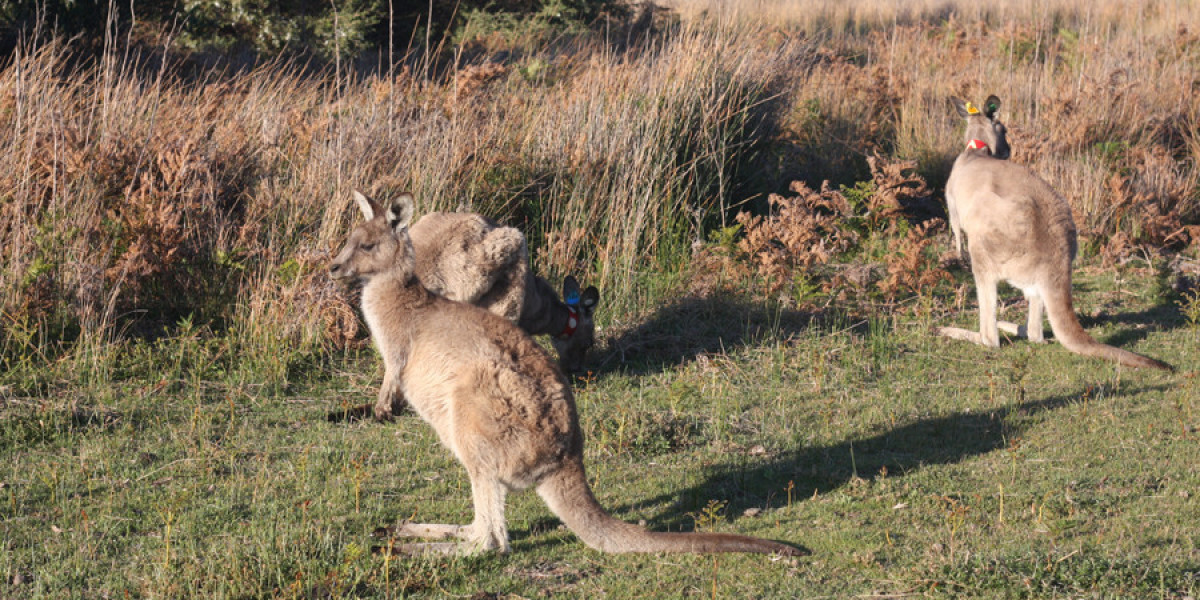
140, 198
135, 197
1096, 95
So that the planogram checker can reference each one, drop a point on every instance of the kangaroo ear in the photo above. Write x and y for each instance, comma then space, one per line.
590, 297
571, 291
960, 106
400, 212
990, 106
368, 206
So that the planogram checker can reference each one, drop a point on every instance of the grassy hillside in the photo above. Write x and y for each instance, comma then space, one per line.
176, 365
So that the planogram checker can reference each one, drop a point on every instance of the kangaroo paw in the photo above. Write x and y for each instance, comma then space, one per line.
383, 411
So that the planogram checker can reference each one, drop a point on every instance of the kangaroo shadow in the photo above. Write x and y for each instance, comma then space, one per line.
691, 326
752, 482
1164, 316
351, 413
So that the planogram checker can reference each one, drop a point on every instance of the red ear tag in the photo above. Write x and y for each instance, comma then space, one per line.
976, 144
572, 323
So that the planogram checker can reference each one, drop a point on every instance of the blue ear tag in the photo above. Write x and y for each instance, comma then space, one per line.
572, 299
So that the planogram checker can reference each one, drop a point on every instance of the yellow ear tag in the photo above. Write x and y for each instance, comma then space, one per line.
971, 110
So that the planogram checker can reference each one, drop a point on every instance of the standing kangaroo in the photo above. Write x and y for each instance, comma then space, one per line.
470, 258
494, 398
1018, 230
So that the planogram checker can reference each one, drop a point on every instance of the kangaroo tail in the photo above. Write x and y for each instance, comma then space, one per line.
1061, 312
568, 495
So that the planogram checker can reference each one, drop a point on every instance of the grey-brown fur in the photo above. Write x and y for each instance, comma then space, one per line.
1019, 230
470, 258
495, 399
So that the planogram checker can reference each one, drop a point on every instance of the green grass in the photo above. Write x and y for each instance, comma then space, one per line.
171, 346
907, 464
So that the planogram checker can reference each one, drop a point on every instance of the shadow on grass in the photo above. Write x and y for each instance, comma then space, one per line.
351, 413
1164, 316
26, 426
754, 482
692, 326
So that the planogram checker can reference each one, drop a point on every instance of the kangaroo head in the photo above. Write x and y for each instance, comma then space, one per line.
573, 345
380, 244
982, 126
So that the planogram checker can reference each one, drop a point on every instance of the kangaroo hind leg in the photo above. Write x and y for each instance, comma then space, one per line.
958, 333
1033, 328
488, 532
988, 334
421, 530
429, 531
985, 291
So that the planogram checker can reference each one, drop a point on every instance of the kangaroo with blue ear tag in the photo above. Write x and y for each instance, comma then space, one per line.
578, 333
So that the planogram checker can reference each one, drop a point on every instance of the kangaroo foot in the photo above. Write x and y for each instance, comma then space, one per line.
423, 530
1020, 331
957, 333
438, 548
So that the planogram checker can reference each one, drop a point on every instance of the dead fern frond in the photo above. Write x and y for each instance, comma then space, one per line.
802, 231
911, 268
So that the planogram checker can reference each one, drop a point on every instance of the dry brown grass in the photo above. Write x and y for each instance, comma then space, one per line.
1096, 96
147, 196
133, 198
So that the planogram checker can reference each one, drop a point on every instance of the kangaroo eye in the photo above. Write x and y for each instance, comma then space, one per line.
367, 247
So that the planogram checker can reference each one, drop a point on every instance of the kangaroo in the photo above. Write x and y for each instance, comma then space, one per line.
495, 399
1019, 230
470, 258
